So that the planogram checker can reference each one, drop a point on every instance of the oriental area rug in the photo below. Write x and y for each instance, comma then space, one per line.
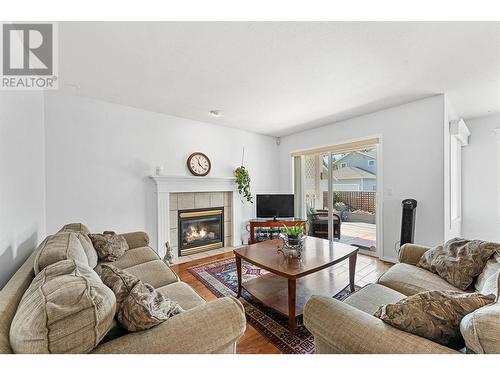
221, 279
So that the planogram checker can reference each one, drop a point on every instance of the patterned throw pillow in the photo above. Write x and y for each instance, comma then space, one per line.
139, 305
109, 246
458, 261
435, 315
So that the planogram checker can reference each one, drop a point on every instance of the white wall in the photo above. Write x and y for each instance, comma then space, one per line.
412, 157
22, 178
99, 157
479, 180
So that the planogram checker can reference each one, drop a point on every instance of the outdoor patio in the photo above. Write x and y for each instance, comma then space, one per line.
360, 234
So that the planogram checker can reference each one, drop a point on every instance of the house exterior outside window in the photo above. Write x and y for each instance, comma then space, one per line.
355, 171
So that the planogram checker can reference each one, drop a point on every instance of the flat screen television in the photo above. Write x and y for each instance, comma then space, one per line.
275, 205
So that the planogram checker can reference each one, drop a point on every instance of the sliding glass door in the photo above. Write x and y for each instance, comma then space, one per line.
337, 192
313, 191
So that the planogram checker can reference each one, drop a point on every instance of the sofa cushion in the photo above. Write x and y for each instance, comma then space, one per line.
458, 261
139, 305
408, 279
114, 332
435, 315
82, 232
66, 309
155, 272
57, 247
76, 227
183, 294
131, 258
88, 248
491, 268
109, 246
136, 239
10, 297
372, 296
480, 329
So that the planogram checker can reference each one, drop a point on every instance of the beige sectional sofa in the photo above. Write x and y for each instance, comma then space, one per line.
350, 327
205, 327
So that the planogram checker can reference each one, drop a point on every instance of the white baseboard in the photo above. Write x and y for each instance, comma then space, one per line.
390, 260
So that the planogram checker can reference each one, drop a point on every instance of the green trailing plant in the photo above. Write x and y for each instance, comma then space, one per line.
243, 179
243, 182
294, 231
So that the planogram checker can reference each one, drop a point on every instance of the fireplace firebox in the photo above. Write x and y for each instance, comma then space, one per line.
200, 230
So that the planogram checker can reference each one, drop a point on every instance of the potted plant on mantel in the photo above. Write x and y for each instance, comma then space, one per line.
243, 180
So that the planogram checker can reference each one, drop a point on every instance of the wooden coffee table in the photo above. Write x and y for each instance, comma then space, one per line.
286, 288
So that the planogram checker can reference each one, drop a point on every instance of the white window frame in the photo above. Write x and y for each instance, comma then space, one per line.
456, 138
497, 132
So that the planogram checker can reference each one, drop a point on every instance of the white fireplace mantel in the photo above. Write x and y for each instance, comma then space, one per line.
191, 184
182, 184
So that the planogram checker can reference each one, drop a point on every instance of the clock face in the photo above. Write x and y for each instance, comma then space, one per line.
199, 164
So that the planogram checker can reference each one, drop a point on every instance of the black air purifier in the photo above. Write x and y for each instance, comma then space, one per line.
408, 221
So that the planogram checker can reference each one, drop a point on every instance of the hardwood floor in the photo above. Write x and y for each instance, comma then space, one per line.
368, 269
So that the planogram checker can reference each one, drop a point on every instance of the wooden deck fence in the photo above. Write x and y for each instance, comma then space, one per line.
358, 200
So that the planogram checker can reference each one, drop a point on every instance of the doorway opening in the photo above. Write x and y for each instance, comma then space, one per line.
336, 190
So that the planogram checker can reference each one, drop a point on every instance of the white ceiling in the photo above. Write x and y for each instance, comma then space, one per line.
281, 77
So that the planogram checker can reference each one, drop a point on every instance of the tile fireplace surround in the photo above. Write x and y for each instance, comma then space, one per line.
175, 193
189, 201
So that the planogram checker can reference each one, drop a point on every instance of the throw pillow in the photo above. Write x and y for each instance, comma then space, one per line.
491, 268
458, 261
109, 246
435, 315
66, 309
139, 305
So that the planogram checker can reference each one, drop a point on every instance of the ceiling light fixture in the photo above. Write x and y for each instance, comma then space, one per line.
215, 113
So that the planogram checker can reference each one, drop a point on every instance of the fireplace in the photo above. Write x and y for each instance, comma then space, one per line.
200, 230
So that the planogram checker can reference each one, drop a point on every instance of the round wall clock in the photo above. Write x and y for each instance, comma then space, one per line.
199, 164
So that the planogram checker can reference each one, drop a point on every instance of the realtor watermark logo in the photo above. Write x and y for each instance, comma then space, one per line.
29, 56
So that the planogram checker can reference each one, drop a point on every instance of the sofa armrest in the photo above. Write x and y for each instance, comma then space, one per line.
410, 253
136, 239
208, 328
340, 328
